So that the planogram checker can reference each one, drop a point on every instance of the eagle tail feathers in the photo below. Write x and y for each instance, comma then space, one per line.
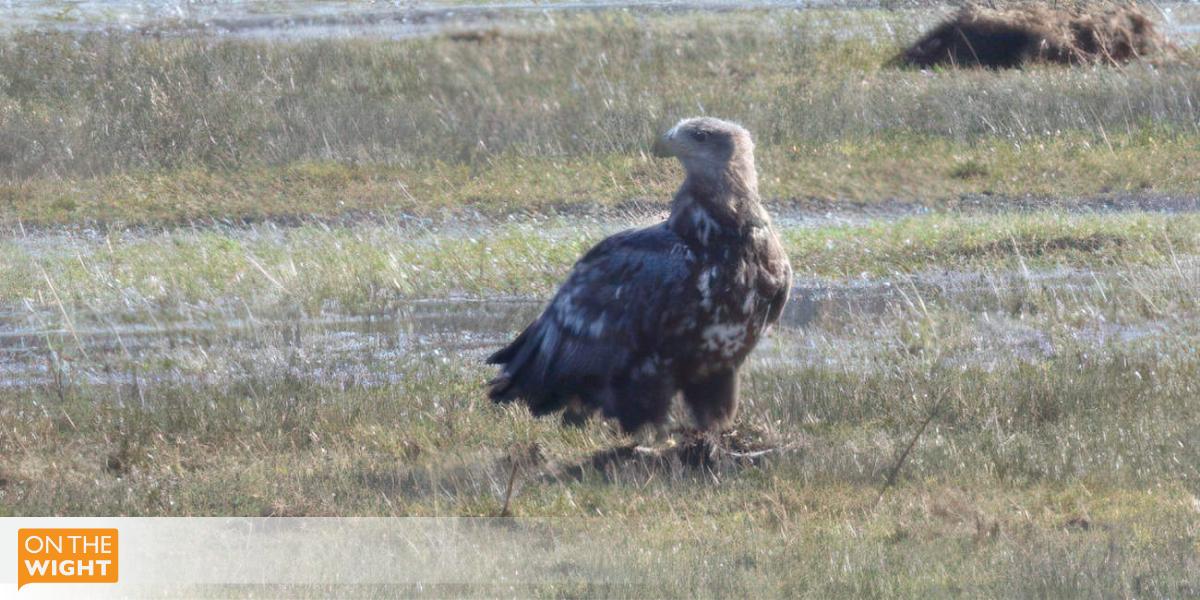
515, 359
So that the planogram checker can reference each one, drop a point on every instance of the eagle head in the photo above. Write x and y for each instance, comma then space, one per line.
705, 141
712, 150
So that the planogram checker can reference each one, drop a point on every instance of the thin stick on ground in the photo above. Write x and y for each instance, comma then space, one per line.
512, 477
891, 478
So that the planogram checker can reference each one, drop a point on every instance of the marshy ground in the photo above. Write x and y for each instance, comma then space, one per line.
257, 275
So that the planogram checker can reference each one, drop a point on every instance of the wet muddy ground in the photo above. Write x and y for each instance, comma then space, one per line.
996, 316
241, 338
826, 324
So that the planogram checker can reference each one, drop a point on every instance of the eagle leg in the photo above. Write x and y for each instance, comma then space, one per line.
577, 412
713, 399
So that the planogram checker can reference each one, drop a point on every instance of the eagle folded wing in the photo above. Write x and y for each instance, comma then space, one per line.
612, 309
780, 300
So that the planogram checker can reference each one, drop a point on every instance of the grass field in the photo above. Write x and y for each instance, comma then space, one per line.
137, 130
251, 277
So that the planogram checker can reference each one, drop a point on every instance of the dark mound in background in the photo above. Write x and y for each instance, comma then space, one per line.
984, 37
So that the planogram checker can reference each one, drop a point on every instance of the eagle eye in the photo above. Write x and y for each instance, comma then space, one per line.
699, 135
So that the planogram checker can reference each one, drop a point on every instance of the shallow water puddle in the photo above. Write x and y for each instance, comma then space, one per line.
330, 349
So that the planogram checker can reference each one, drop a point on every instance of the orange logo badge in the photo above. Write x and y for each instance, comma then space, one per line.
66, 556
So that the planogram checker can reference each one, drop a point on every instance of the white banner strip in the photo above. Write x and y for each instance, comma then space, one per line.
161, 555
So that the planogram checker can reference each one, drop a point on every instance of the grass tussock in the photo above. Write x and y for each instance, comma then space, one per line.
1031, 33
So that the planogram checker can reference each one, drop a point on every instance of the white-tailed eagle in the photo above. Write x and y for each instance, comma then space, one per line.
676, 307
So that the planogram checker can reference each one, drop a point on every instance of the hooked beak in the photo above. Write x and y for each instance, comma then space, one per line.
661, 149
